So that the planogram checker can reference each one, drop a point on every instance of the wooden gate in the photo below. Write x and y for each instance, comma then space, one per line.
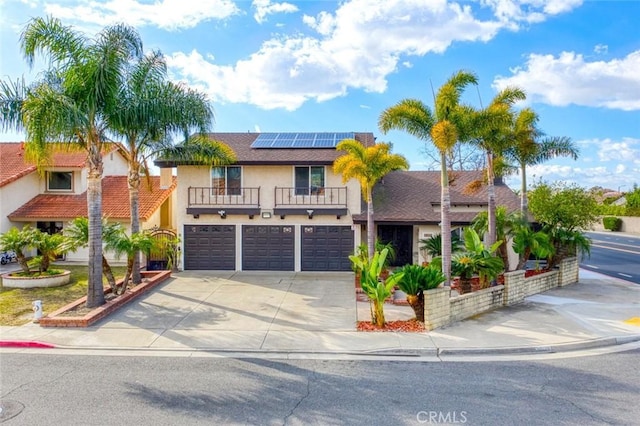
165, 253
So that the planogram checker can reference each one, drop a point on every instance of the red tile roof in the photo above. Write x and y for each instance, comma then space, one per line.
241, 145
13, 165
115, 201
414, 197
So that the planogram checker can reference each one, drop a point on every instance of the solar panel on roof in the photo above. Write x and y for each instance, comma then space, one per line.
301, 140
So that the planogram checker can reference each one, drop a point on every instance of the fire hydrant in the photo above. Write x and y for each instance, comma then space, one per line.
37, 310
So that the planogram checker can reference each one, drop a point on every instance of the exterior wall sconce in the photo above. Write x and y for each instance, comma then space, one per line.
266, 215
223, 214
196, 216
310, 213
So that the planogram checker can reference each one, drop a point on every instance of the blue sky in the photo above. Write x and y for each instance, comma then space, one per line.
334, 66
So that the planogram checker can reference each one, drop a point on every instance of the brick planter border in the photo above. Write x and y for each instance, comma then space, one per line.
55, 320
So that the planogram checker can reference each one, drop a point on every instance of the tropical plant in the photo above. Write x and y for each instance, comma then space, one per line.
491, 134
566, 243
474, 260
18, 240
129, 245
76, 235
150, 109
415, 280
433, 245
444, 127
49, 246
530, 146
504, 222
72, 103
526, 242
377, 290
367, 165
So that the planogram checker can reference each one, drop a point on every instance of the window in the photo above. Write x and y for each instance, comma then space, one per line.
59, 181
309, 180
226, 180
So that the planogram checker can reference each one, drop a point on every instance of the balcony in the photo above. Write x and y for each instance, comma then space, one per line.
311, 201
209, 200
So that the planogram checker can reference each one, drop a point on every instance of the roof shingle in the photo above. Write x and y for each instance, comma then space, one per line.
414, 196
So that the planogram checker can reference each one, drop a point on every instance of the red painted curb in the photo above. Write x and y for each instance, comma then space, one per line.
25, 344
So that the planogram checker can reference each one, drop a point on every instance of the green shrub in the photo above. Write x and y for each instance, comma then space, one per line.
612, 223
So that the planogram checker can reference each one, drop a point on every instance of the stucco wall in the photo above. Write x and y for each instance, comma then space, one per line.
630, 224
14, 195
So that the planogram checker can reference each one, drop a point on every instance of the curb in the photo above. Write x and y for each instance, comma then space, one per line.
26, 344
544, 349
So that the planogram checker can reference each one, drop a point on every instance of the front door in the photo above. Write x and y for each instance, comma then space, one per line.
401, 237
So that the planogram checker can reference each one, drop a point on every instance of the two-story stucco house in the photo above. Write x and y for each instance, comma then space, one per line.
280, 207
50, 199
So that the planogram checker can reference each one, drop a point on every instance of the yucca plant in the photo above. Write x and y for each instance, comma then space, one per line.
415, 280
377, 290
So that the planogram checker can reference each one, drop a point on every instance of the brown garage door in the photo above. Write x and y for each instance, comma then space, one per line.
268, 248
326, 248
210, 247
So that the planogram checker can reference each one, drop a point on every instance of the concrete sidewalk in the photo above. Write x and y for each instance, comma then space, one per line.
280, 314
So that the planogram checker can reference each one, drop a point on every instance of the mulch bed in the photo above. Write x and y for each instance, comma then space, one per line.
408, 326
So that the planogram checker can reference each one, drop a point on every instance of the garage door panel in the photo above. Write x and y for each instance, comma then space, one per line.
210, 247
267, 247
326, 248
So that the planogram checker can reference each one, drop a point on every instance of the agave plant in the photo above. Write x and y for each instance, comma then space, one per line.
415, 280
377, 290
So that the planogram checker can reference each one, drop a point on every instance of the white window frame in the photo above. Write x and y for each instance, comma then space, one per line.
48, 181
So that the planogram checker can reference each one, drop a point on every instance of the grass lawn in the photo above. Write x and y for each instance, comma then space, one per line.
15, 303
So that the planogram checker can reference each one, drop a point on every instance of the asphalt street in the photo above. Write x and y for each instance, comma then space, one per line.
53, 389
614, 255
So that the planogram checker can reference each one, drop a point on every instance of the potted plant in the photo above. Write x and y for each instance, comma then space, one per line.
474, 260
376, 289
415, 280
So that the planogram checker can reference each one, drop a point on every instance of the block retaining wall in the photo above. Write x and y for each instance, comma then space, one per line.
442, 309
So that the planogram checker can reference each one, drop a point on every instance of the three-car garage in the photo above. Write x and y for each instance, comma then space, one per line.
268, 247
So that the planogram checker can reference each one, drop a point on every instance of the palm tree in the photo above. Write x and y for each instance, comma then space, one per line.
531, 147
444, 127
71, 104
504, 223
130, 245
368, 165
149, 110
76, 235
491, 127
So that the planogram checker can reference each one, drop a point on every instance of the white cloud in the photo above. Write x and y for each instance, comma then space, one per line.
355, 47
601, 49
265, 7
166, 14
569, 79
625, 150
620, 168
513, 12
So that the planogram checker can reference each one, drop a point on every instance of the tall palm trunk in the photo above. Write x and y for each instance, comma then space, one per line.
371, 241
134, 199
95, 291
445, 219
491, 207
524, 202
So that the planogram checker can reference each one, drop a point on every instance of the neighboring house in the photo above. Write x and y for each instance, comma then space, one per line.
51, 199
406, 206
280, 207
